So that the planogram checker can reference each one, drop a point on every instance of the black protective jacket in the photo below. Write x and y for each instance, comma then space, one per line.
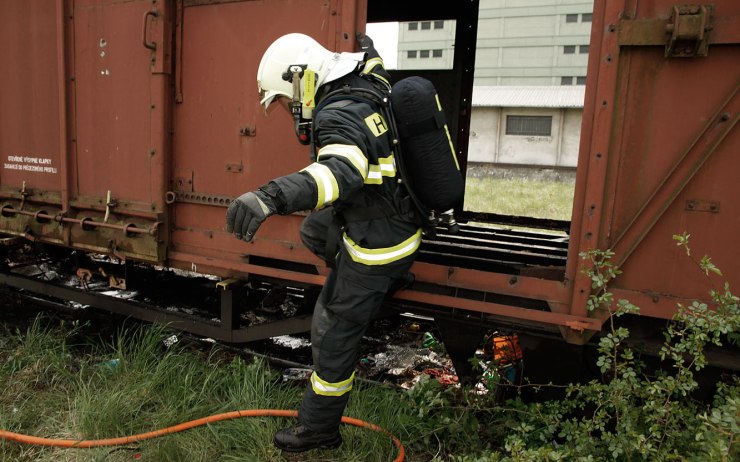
355, 171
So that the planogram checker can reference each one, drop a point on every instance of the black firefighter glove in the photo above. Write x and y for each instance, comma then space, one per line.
365, 42
247, 212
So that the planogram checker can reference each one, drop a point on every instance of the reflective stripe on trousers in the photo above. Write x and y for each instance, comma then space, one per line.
352, 295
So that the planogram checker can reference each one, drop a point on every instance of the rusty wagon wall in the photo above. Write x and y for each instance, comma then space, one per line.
84, 124
659, 149
126, 127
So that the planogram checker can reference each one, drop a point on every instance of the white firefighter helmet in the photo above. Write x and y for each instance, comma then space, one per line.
300, 49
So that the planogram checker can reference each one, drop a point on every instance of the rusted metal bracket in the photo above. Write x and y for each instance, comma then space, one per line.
197, 198
109, 204
698, 205
24, 193
84, 275
183, 181
234, 168
114, 253
686, 33
688, 26
248, 130
114, 281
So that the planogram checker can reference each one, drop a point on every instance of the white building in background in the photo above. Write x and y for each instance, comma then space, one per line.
426, 44
526, 126
533, 42
520, 42
530, 72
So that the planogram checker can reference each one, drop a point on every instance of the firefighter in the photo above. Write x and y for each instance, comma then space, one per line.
359, 225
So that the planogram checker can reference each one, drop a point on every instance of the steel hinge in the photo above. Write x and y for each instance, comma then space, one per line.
686, 31
688, 27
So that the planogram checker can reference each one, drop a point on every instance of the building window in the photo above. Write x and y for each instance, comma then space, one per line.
567, 80
411, 54
583, 49
436, 53
424, 54
413, 26
571, 18
569, 49
581, 80
426, 25
529, 125
586, 17
439, 24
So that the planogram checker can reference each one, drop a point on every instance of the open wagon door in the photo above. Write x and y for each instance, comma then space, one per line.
659, 149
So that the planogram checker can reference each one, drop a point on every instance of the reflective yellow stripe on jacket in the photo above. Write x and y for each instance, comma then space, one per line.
326, 182
371, 64
352, 153
328, 189
324, 388
385, 255
386, 167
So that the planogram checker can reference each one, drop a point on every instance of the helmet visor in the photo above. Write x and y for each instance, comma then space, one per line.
268, 96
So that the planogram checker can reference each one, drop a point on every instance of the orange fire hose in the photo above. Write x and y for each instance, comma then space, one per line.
61, 443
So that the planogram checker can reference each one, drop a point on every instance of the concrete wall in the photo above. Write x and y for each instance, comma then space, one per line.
489, 142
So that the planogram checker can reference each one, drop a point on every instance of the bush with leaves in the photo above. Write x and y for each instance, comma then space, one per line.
631, 414
449, 422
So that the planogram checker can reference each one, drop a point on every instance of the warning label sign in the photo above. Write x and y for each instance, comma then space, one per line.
30, 164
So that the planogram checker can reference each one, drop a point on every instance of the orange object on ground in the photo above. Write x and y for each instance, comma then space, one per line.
506, 350
62, 443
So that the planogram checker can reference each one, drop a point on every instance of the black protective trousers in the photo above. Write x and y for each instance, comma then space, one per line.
352, 295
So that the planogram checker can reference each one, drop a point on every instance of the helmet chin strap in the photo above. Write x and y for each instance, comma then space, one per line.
302, 126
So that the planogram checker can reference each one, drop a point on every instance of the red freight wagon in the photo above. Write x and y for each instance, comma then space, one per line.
126, 127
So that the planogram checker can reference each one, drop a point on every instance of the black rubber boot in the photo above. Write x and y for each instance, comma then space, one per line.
298, 438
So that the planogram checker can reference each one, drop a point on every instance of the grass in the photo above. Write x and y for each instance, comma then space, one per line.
520, 196
57, 381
